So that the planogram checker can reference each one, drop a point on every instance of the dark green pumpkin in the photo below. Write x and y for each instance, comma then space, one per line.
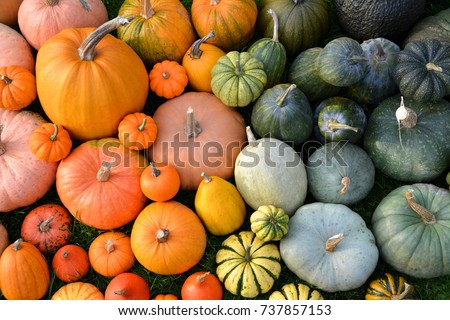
283, 112
272, 54
432, 27
303, 23
339, 118
415, 149
342, 62
422, 71
303, 73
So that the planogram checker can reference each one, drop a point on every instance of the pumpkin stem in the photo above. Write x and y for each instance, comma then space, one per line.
104, 172
424, 213
155, 171
206, 178
275, 24
334, 125
280, 99
251, 137
248, 257
405, 117
54, 136
86, 51
52, 3
6, 80
146, 9
345, 181
192, 128
17, 245
201, 278
143, 124
332, 242
214, 2
380, 54
44, 226
110, 246
196, 53
2, 145
120, 292
238, 69
408, 290
162, 235
166, 75
432, 67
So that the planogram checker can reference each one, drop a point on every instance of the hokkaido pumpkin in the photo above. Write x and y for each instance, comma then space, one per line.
127, 286
201, 285
168, 296
17, 87
78, 291
50, 142
137, 131
107, 80
8, 11
160, 182
168, 79
71, 263
16, 51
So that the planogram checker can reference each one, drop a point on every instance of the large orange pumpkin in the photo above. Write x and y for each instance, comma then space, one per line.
17, 87
168, 238
87, 80
78, 291
99, 183
8, 11
197, 133
16, 51
23, 177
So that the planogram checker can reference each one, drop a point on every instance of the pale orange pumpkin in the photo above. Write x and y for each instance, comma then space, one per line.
78, 291
17, 87
16, 51
50, 142
137, 131
127, 286
8, 11
168, 79
4, 238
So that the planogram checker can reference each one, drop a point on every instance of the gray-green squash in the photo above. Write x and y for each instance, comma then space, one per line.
431, 27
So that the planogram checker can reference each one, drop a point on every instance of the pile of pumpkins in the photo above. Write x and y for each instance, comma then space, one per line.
266, 122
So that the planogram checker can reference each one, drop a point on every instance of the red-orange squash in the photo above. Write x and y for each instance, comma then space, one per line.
71, 263
99, 183
201, 285
127, 286
17, 87
8, 11
78, 291
168, 296
168, 238
16, 51
50, 142
168, 79
160, 182
137, 131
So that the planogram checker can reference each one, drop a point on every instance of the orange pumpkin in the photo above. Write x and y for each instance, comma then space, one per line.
50, 142
99, 183
110, 253
198, 133
71, 263
168, 238
4, 238
107, 80
15, 50
168, 296
160, 182
78, 291
48, 227
233, 21
199, 61
39, 20
8, 11
17, 87
127, 286
168, 79
201, 285
137, 131
24, 273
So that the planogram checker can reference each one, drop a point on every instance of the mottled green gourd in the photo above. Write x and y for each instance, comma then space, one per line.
269, 223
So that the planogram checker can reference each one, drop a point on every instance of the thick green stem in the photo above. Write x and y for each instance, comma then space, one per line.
143, 124
275, 24
54, 136
333, 125
195, 52
280, 99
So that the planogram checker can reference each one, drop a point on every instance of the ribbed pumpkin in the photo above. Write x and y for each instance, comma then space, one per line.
269, 223
168, 79
16, 51
99, 183
107, 80
78, 291
431, 27
8, 11
160, 30
232, 21
24, 273
292, 291
389, 287
246, 265
238, 79
50, 142
137, 131
17, 87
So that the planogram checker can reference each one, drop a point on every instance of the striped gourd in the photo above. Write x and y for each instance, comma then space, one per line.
298, 291
269, 223
389, 287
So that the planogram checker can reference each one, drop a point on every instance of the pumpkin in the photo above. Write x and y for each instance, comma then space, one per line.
422, 71
232, 21
78, 291
299, 291
271, 52
418, 213
39, 20
127, 286
70, 263
17, 87
137, 131
50, 142
199, 60
160, 30
342, 62
283, 112
201, 285
160, 182
25, 178
389, 287
168, 296
4, 238
340, 172
197, 133
219, 205
303, 72
339, 118
48, 227
431, 27
303, 23
246, 265
329, 239
238, 78
107, 80
99, 183
110, 253
16, 51
8, 11
168, 79
269, 171
269, 223
24, 273
168, 238
407, 139
447, 179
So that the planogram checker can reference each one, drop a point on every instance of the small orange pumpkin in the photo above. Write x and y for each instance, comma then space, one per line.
160, 182
127, 286
202, 286
168, 296
137, 131
78, 291
71, 263
17, 87
168, 79
50, 142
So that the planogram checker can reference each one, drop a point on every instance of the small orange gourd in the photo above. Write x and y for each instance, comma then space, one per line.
50, 142
127, 286
137, 131
160, 182
201, 285
78, 291
71, 263
17, 87
168, 296
168, 79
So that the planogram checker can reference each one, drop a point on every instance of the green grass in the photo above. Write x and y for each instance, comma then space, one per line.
427, 289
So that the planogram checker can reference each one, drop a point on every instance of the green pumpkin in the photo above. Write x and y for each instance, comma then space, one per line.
269, 223
272, 54
342, 62
303, 73
431, 27
422, 71
411, 227
411, 148
238, 78
292, 291
283, 112
340, 172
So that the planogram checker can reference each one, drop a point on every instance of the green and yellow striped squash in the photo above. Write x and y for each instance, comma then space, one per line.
246, 265
389, 287
292, 291
269, 223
